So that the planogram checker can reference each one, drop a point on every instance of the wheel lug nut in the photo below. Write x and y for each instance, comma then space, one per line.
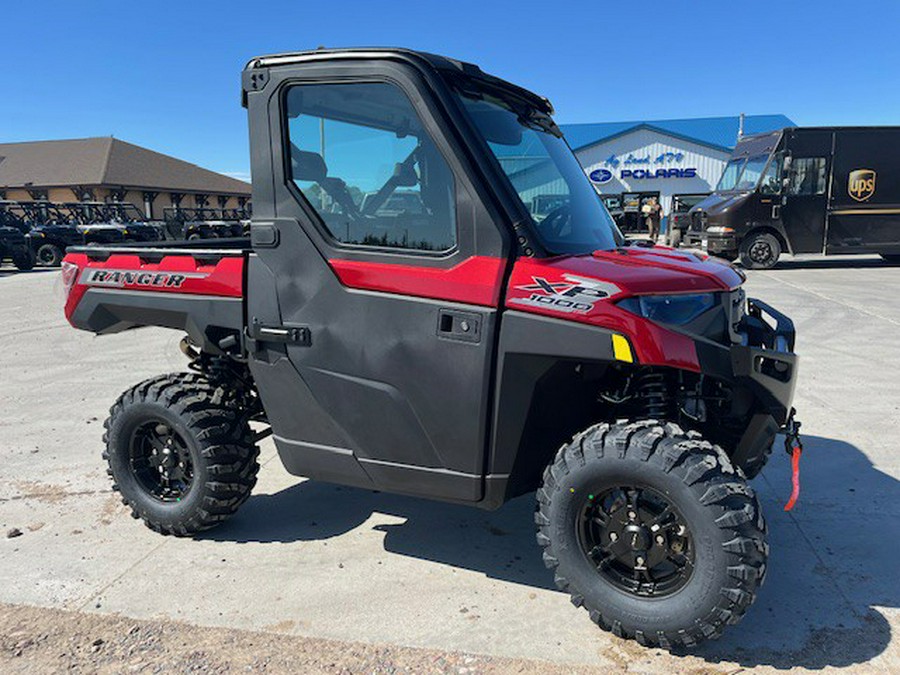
613, 536
660, 540
639, 560
632, 515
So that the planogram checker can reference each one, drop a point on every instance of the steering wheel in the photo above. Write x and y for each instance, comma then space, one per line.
555, 221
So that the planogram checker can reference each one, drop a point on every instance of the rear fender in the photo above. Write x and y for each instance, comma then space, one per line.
125, 290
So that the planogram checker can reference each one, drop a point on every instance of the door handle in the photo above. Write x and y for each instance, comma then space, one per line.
298, 335
456, 325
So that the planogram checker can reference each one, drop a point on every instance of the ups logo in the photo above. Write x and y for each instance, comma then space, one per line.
861, 184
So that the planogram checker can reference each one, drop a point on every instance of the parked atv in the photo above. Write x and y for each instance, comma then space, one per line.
50, 242
16, 247
464, 351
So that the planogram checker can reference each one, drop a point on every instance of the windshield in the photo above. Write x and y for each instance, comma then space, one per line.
752, 171
731, 173
566, 211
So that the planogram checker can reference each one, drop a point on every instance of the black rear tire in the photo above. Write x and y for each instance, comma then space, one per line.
49, 255
209, 447
760, 251
713, 517
23, 261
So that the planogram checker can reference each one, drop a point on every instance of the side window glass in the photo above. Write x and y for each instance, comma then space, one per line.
363, 160
807, 176
771, 180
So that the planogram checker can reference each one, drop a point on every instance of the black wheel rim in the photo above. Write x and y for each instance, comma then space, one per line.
161, 461
637, 541
761, 252
46, 256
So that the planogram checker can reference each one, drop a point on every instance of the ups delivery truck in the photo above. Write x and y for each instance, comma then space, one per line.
831, 190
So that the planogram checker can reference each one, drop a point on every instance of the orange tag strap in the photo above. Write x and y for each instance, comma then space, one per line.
795, 478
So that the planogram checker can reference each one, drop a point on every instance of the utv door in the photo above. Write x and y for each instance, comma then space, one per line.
805, 196
375, 282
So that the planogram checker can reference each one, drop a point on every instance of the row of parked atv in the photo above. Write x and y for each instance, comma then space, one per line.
38, 232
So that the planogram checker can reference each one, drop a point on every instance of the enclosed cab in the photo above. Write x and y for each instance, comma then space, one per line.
831, 190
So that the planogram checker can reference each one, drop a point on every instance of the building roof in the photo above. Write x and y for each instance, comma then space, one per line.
106, 161
716, 132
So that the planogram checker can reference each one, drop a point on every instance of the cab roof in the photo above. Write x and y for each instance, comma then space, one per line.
435, 61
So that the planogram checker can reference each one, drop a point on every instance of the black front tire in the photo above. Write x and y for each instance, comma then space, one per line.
725, 532
49, 255
215, 441
760, 251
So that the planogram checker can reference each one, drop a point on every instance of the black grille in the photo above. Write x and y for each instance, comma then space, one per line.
698, 218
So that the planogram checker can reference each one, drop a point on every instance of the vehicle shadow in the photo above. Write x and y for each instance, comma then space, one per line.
12, 271
832, 262
831, 561
500, 543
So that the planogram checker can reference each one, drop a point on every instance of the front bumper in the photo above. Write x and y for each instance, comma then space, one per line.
712, 243
763, 362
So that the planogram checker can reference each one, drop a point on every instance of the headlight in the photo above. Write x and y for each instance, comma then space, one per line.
672, 309
718, 229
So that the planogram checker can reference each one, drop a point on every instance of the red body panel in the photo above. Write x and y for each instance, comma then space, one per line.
585, 288
475, 281
178, 273
581, 288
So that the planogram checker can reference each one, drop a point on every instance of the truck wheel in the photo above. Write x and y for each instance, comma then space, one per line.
760, 251
23, 261
183, 458
49, 255
652, 531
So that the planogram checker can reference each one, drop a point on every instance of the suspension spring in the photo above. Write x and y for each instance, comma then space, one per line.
653, 395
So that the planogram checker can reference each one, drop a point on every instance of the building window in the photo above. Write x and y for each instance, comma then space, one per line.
807, 176
362, 159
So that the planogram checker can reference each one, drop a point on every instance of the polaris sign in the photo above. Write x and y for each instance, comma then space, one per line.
600, 176
640, 174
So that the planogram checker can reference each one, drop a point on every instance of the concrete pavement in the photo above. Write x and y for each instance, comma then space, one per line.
318, 560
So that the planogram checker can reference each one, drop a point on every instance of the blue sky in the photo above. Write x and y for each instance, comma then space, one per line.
166, 74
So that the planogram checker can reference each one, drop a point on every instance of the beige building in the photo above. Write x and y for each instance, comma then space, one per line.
107, 169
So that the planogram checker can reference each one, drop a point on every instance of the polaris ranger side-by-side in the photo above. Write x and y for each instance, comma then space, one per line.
453, 346
831, 190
